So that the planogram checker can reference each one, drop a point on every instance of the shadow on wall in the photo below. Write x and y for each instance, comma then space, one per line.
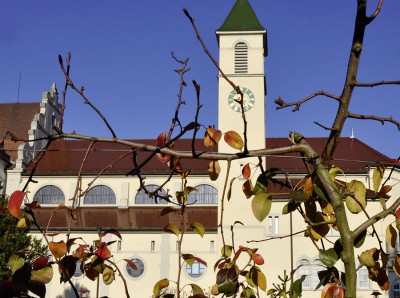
69, 292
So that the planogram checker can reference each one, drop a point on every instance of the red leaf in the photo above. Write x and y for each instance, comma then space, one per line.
160, 142
111, 231
258, 259
384, 190
131, 263
103, 252
15, 202
397, 213
212, 137
40, 263
200, 261
233, 139
246, 172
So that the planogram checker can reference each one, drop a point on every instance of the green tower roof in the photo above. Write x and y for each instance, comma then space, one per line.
241, 18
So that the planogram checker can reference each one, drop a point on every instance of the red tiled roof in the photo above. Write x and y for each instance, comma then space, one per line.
351, 155
16, 118
65, 157
132, 218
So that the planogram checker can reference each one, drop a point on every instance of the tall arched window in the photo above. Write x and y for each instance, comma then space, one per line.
395, 292
143, 198
241, 57
100, 194
305, 270
49, 194
310, 271
204, 194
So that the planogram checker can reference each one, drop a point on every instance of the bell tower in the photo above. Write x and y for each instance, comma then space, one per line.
242, 48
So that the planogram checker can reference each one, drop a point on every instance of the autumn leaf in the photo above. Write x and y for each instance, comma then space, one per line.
246, 172
212, 137
108, 275
43, 275
358, 200
198, 228
161, 284
160, 142
111, 231
377, 176
15, 202
214, 170
103, 252
391, 236
131, 264
172, 229
247, 188
233, 139
258, 259
58, 249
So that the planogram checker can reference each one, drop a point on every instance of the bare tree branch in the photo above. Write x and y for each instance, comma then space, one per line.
282, 104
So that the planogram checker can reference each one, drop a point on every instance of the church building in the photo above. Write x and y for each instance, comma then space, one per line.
115, 200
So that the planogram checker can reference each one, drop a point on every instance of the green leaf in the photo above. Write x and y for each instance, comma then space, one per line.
328, 257
172, 229
198, 228
359, 240
297, 288
298, 196
377, 176
15, 262
261, 205
333, 172
196, 289
226, 251
43, 275
358, 200
227, 281
289, 207
320, 193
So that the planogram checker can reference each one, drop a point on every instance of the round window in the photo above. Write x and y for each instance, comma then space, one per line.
196, 270
135, 272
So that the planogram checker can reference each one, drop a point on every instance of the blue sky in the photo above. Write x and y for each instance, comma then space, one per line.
121, 54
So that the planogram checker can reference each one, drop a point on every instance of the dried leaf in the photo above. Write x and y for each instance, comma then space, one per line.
358, 200
58, 249
211, 137
377, 176
247, 188
391, 236
111, 231
214, 170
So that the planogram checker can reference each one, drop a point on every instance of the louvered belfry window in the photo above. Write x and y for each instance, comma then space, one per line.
241, 57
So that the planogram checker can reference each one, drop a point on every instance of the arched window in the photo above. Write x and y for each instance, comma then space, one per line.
204, 194
100, 194
395, 292
143, 198
49, 194
362, 279
305, 270
241, 57
196, 270
310, 271
135, 272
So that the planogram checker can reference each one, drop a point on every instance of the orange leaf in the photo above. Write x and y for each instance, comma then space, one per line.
233, 139
212, 137
258, 259
246, 172
103, 252
15, 202
332, 290
58, 249
160, 142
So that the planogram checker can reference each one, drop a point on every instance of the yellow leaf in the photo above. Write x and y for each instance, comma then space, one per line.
43, 275
58, 249
262, 281
172, 229
212, 137
357, 201
261, 205
377, 176
233, 139
21, 223
108, 275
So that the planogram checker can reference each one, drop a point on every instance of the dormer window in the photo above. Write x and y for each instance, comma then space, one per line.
241, 57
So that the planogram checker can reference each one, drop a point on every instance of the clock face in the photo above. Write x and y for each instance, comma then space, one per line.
248, 100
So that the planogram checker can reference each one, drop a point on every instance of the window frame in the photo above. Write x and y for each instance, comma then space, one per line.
211, 195
195, 266
98, 201
145, 199
141, 268
53, 187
